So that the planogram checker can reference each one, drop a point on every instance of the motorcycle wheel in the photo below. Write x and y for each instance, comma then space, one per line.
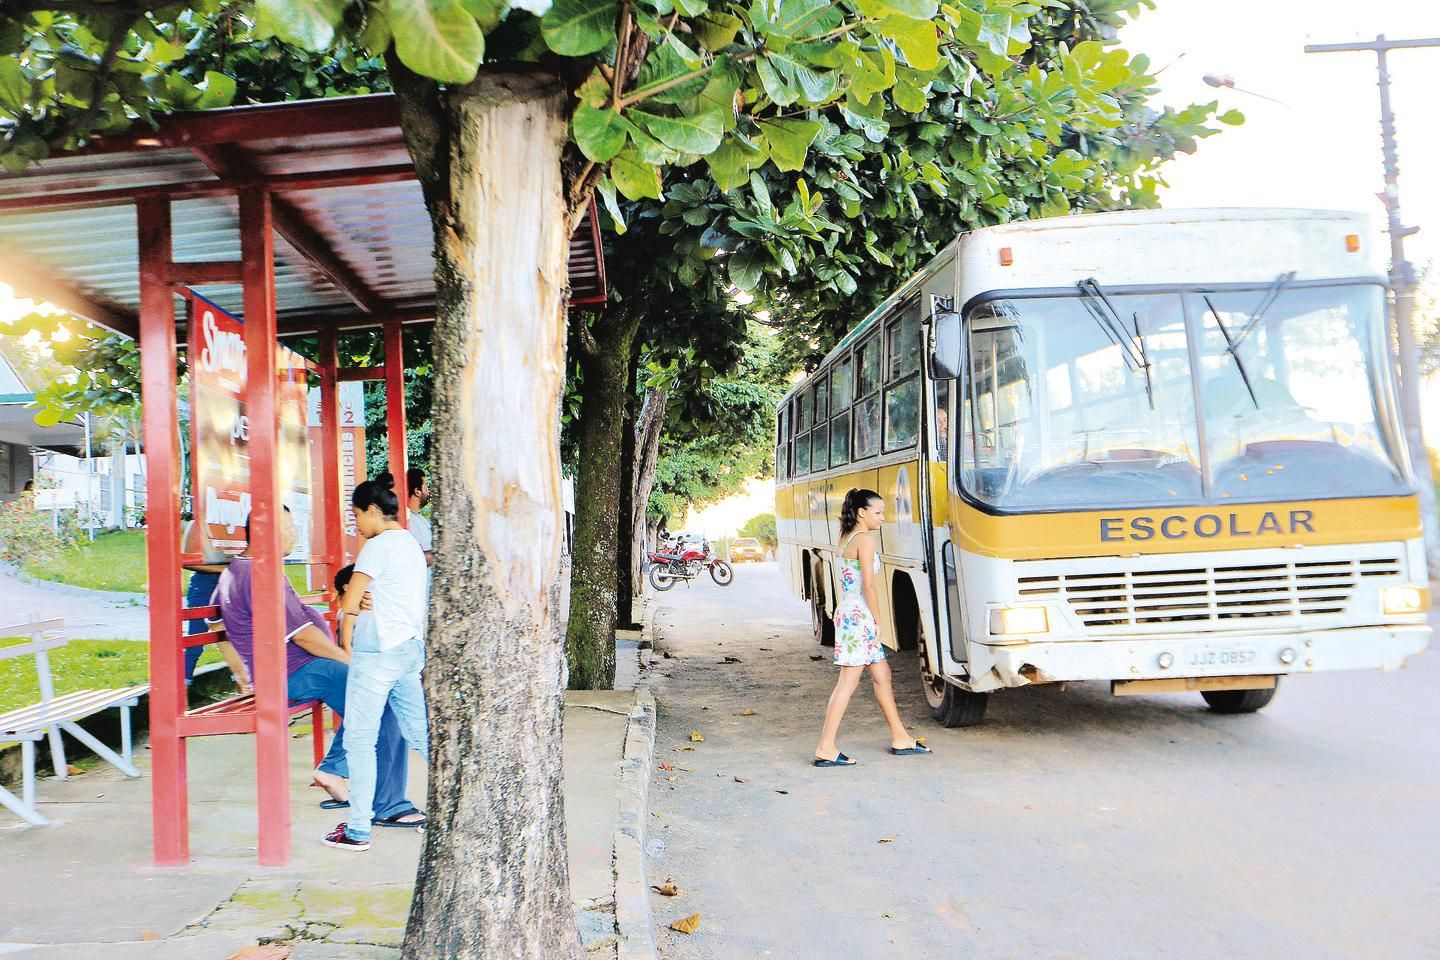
660, 578
722, 573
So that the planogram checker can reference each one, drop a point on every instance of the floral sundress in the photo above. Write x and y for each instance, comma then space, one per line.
857, 636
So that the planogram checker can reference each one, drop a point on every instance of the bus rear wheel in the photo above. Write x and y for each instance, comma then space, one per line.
1239, 701
949, 705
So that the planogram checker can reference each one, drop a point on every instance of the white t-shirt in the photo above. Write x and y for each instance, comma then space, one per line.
396, 567
420, 528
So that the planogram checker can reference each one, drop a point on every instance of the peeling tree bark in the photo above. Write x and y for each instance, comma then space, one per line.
493, 878
604, 364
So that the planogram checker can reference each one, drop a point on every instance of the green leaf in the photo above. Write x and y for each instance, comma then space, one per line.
306, 23
819, 86
670, 63
606, 189
635, 178
1232, 117
745, 267
219, 91
789, 140
487, 13
915, 9
916, 39
733, 160
14, 85
698, 134
376, 37
777, 87
574, 28
600, 133
437, 39
716, 30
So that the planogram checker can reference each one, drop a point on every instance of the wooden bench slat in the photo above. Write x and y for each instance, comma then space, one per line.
69, 706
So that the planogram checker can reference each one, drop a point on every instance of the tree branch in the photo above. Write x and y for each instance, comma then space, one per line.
97, 86
132, 8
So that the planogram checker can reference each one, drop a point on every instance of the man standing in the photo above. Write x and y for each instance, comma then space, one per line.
318, 670
416, 523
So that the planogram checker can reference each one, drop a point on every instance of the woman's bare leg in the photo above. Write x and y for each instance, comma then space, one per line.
839, 699
900, 739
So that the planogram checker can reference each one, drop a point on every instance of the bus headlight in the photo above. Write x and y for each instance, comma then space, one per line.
1402, 601
1011, 620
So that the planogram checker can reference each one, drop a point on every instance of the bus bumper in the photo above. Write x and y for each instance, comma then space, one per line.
1151, 658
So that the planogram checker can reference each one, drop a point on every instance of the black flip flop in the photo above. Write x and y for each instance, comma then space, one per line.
914, 751
395, 820
840, 761
333, 804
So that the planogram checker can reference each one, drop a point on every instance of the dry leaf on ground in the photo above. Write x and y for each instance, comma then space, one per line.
687, 925
697, 737
684, 748
746, 713
667, 766
150, 935
741, 780
269, 952
889, 839
72, 770
666, 889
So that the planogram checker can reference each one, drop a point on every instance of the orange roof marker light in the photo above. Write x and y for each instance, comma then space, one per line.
1007, 256
1352, 243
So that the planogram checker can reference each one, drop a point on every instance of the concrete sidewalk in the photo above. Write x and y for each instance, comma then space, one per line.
88, 614
83, 887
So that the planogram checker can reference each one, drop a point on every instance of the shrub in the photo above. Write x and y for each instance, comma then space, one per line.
33, 535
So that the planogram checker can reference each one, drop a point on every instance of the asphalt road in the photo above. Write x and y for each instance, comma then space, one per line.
1069, 825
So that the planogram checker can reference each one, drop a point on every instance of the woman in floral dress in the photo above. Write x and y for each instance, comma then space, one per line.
857, 631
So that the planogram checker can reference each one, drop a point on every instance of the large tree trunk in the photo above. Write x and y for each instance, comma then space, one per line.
648, 426
604, 360
493, 879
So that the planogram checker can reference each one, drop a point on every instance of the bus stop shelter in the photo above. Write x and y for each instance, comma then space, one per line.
300, 219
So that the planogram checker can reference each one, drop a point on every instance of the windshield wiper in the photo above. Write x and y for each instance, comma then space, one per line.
1231, 347
1266, 302
1133, 351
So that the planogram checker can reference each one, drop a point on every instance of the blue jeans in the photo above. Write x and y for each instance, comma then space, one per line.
326, 681
202, 587
381, 681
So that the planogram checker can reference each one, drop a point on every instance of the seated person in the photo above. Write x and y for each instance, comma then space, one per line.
318, 670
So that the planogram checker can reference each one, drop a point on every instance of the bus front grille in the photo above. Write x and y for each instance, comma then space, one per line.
1113, 600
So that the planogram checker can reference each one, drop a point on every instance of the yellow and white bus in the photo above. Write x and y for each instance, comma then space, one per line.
1160, 448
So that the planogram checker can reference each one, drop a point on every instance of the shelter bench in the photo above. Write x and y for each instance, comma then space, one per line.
54, 714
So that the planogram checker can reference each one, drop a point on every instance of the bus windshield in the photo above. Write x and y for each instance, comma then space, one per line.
1113, 399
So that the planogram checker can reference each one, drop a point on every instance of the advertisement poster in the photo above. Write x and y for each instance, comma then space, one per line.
352, 452
221, 430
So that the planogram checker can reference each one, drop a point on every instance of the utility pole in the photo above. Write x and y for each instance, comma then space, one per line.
1402, 282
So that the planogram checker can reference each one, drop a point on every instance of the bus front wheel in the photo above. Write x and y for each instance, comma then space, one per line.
949, 705
1239, 701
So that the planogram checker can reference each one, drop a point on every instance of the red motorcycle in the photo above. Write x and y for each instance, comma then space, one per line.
681, 561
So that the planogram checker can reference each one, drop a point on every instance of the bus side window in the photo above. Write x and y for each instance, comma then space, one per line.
902, 392
867, 403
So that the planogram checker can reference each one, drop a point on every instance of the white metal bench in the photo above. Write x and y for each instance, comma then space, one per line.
52, 715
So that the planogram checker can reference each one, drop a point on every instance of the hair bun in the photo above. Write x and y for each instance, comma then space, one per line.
387, 478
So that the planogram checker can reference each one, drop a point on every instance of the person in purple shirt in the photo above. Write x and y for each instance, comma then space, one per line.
318, 670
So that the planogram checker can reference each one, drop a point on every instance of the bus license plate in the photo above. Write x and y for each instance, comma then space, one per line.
1224, 657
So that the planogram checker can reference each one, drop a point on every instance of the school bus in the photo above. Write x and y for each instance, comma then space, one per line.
1160, 448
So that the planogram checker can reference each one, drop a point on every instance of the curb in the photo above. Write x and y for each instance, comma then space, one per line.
632, 890
70, 590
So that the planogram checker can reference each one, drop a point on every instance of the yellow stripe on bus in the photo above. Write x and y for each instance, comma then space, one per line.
1185, 529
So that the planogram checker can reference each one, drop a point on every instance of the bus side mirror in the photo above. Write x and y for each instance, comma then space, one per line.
945, 345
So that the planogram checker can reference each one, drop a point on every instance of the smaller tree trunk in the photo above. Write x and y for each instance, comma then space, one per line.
626, 584
604, 364
649, 424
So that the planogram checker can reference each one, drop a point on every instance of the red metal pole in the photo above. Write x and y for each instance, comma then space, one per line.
169, 796
272, 735
395, 412
332, 510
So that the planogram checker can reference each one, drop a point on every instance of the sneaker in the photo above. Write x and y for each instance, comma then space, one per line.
340, 839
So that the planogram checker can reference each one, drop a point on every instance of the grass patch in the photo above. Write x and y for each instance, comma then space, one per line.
79, 665
116, 561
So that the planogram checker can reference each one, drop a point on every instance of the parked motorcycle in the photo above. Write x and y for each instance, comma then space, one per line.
669, 565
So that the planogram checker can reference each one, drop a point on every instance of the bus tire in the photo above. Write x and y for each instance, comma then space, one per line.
821, 624
949, 705
1239, 701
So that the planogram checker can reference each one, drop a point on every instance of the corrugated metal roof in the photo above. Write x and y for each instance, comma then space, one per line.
353, 238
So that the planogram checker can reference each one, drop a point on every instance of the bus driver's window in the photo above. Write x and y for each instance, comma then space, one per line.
942, 420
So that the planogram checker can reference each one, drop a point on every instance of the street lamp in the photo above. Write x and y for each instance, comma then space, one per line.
1225, 80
